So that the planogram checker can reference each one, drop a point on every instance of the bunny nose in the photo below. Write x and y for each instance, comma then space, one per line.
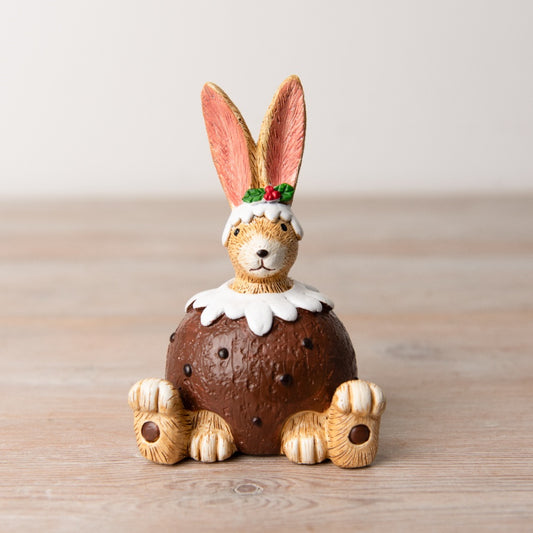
262, 253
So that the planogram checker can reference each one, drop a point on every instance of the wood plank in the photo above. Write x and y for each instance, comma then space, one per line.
435, 292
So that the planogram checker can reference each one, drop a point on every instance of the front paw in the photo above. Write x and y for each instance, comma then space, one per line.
211, 438
303, 439
209, 447
162, 426
352, 426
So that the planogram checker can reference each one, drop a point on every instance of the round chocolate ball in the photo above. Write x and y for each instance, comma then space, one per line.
258, 382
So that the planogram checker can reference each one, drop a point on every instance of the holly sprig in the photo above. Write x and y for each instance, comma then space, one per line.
283, 193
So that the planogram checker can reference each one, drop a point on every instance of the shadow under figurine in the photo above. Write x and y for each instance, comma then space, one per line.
260, 365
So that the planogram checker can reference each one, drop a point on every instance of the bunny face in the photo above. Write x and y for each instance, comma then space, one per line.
262, 249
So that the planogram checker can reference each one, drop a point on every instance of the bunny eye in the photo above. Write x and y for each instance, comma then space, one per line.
284, 227
236, 232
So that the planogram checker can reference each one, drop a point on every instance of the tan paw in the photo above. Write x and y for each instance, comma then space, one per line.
303, 440
154, 395
211, 438
306, 450
162, 426
211, 446
352, 425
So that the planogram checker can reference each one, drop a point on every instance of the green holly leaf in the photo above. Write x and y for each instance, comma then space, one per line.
286, 191
253, 195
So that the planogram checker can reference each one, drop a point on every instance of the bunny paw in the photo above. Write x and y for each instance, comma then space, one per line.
352, 423
303, 440
162, 426
211, 438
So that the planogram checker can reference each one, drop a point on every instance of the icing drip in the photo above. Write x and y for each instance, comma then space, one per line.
259, 309
272, 210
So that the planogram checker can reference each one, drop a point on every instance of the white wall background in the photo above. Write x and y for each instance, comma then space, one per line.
101, 97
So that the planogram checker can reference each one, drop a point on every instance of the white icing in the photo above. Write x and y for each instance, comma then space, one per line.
259, 309
272, 210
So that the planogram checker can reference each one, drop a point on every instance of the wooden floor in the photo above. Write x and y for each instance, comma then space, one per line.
437, 295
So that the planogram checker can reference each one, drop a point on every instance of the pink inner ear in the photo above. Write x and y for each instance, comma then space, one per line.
286, 135
229, 147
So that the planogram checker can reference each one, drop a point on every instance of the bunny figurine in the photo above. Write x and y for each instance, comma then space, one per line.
261, 364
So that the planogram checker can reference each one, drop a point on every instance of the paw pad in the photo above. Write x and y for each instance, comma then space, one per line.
150, 431
359, 434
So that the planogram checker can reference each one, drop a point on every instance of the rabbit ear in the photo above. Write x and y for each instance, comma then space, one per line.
232, 146
281, 140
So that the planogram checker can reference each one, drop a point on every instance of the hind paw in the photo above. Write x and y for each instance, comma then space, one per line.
162, 426
352, 424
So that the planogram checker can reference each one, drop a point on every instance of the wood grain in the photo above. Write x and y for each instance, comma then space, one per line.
436, 294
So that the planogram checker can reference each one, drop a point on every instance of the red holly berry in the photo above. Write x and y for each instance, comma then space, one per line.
271, 193
268, 193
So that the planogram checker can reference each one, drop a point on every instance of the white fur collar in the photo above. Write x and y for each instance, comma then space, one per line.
259, 309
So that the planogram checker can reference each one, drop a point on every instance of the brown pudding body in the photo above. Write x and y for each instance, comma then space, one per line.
256, 383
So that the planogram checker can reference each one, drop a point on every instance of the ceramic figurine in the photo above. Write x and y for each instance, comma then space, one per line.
260, 365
